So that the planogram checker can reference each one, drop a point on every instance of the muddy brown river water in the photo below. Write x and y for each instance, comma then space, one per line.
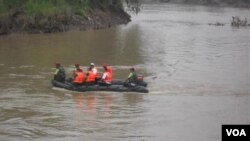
198, 78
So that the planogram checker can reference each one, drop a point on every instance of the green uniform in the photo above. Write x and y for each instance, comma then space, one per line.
132, 77
59, 74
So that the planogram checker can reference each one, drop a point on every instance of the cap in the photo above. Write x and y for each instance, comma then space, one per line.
104, 65
92, 64
57, 64
77, 65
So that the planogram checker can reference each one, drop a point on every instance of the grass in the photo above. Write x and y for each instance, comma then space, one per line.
45, 8
48, 8
45, 12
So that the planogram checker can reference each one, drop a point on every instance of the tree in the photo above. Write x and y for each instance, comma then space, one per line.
133, 5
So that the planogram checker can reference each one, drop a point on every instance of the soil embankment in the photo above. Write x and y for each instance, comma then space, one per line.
19, 22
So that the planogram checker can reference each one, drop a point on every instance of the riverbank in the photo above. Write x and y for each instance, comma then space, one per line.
59, 16
18, 22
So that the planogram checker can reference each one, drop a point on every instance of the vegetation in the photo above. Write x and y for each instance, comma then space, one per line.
55, 15
38, 16
134, 5
48, 7
82, 7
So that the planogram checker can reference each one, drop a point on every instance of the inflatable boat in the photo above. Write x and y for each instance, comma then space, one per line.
121, 82
116, 86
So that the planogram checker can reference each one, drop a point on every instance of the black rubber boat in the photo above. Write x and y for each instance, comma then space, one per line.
121, 82
114, 87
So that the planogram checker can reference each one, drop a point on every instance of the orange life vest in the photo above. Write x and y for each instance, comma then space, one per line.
95, 72
108, 78
79, 78
110, 72
91, 77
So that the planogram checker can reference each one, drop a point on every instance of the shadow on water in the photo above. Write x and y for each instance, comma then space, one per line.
113, 46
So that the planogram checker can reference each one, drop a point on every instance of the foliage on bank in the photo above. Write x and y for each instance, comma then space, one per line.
48, 7
59, 15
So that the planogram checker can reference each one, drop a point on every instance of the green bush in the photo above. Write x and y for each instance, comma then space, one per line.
53, 7
45, 7
2, 8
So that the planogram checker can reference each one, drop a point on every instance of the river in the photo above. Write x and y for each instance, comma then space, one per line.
198, 78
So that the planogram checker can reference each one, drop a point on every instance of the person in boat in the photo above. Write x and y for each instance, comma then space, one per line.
90, 77
105, 66
78, 77
106, 78
132, 78
59, 74
94, 70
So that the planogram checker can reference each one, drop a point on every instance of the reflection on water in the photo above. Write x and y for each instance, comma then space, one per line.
198, 79
112, 46
67, 114
87, 103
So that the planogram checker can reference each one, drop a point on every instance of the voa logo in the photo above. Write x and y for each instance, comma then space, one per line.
236, 132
